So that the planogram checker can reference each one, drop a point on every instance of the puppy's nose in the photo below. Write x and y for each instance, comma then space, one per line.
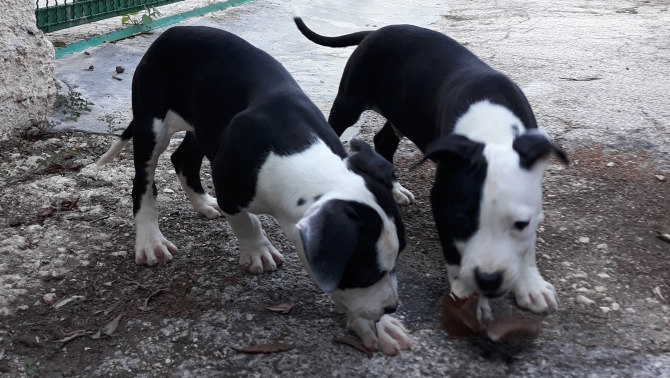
488, 282
390, 309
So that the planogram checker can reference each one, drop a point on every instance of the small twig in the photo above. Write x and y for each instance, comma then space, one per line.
99, 219
136, 283
581, 79
144, 307
73, 335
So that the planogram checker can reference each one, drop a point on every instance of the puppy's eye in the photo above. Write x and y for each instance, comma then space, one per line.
521, 225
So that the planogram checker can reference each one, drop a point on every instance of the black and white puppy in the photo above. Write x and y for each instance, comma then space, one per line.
272, 152
479, 128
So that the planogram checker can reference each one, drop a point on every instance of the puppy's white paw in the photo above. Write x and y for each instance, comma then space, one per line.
532, 292
152, 247
207, 206
388, 335
484, 314
401, 195
259, 256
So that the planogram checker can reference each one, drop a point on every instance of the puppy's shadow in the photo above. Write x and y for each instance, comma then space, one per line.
507, 351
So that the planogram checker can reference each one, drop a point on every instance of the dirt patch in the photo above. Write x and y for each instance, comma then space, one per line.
208, 306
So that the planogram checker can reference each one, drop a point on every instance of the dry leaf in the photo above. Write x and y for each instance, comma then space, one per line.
68, 205
354, 343
657, 291
282, 308
459, 318
664, 237
71, 336
145, 306
112, 326
452, 322
67, 300
265, 348
47, 213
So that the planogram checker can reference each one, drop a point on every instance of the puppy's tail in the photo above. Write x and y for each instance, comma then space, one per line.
352, 39
117, 146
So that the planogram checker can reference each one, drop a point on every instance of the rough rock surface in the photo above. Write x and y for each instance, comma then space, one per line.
27, 87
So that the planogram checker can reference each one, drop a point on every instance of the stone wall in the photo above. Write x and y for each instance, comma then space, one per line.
27, 87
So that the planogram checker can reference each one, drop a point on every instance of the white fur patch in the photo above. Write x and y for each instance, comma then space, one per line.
401, 195
204, 204
114, 150
368, 303
314, 172
257, 254
317, 175
510, 194
489, 123
387, 335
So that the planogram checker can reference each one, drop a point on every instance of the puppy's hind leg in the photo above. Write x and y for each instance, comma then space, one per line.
345, 112
257, 255
187, 160
151, 138
386, 143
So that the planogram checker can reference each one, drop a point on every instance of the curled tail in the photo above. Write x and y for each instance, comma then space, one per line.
117, 146
352, 39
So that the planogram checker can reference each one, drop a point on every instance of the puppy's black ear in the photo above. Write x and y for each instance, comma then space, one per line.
534, 145
329, 237
452, 149
366, 160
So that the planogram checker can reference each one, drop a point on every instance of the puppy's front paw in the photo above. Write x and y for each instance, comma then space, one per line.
207, 207
387, 335
152, 247
259, 257
532, 292
401, 195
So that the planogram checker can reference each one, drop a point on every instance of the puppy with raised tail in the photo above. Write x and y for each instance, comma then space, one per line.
272, 152
478, 126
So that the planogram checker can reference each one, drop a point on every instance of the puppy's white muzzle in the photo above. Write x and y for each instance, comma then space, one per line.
371, 302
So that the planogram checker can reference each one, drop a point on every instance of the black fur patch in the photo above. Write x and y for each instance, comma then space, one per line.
241, 102
534, 145
378, 175
456, 195
340, 245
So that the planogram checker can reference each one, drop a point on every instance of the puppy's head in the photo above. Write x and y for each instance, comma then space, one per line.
351, 242
488, 200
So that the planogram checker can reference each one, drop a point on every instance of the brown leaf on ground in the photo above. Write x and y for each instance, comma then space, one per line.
452, 321
58, 168
112, 326
282, 308
47, 213
68, 205
72, 335
459, 318
145, 307
265, 348
348, 340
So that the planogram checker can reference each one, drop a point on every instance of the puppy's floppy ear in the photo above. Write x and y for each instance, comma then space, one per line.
452, 149
365, 160
329, 237
534, 145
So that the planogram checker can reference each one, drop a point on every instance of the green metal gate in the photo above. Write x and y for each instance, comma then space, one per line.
52, 15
